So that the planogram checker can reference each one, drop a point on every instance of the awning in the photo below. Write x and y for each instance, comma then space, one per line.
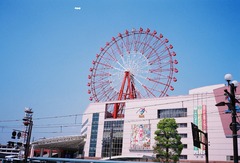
65, 143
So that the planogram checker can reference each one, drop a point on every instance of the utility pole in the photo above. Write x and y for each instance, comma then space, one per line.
27, 121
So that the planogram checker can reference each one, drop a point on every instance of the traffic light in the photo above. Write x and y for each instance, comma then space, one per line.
195, 134
14, 133
19, 134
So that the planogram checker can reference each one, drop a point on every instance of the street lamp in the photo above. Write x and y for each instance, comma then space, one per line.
232, 107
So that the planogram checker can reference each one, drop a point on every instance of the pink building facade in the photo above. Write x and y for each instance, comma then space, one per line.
132, 136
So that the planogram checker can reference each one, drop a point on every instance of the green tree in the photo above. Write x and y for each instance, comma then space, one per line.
168, 142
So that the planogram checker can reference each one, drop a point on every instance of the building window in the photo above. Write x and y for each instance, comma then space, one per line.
183, 157
230, 158
183, 135
93, 138
109, 108
172, 113
182, 125
184, 145
112, 138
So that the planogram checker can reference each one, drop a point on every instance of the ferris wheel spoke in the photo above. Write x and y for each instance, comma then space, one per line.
147, 45
133, 42
139, 82
104, 92
153, 80
102, 75
111, 56
151, 52
143, 42
101, 84
118, 49
139, 76
161, 75
140, 59
114, 56
160, 70
116, 68
128, 45
138, 42
113, 53
125, 45
104, 64
155, 48
159, 60
149, 93
162, 51
117, 61
102, 88
112, 95
158, 90
160, 44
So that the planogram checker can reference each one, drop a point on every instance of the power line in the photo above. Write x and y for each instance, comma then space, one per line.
80, 124
167, 103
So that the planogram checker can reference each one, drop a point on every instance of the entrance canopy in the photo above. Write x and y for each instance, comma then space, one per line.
64, 143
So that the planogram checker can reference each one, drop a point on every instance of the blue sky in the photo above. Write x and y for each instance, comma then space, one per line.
47, 48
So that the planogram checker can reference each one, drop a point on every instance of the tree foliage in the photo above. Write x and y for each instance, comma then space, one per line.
168, 142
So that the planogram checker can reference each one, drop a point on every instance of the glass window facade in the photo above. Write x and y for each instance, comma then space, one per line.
93, 138
112, 138
172, 113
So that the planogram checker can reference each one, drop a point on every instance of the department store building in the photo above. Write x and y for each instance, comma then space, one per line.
132, 134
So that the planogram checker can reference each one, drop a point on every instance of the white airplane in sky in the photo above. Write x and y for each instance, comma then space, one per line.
77, 8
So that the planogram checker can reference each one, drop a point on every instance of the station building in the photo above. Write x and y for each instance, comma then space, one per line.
132, 134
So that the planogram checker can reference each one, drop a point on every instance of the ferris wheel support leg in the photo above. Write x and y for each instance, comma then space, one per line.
116, 105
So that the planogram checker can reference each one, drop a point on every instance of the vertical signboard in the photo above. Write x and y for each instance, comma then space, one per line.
204, 122
195, 121
200, 119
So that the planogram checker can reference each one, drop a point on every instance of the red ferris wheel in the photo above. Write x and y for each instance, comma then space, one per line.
135, 64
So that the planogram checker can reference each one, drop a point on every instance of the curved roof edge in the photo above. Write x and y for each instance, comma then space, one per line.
205, 89
63, 142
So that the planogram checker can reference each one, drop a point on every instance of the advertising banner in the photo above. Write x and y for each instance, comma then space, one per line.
200, 119
140, 137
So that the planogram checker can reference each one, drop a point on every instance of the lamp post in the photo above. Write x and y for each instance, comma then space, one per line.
27, 121
232, 107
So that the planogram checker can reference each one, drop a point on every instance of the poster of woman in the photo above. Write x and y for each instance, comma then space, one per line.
140, 137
